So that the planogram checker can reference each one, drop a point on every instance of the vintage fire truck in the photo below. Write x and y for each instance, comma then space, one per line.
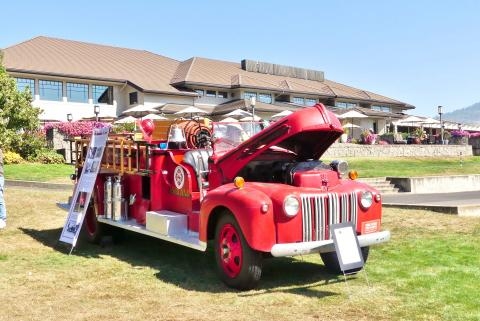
255, 192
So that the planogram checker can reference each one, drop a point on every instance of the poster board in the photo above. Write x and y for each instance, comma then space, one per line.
84, 188
347, 247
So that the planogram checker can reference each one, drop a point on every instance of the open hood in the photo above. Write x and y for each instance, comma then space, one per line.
308, 133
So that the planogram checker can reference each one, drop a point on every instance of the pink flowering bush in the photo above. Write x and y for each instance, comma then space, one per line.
367, 137
76, 128
460, 133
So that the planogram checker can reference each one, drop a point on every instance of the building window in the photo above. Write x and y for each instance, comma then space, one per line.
310, 101
50, 90
346, 105
222, 94
381, 108
298, 100
77, 92
133, 97
102, 94
24, 83
200, 92
249, 94
265, 98
211, 93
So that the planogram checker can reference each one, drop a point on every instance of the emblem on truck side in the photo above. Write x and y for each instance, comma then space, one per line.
178, 177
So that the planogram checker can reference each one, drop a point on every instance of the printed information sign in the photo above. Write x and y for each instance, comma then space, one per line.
83, 191
347, 247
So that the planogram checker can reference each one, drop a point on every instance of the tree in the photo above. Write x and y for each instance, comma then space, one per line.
19, 121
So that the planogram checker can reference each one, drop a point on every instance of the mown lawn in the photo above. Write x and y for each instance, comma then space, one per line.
428, 271
414, 166
366, 167
39, 172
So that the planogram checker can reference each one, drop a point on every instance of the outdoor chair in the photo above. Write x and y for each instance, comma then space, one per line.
398, 139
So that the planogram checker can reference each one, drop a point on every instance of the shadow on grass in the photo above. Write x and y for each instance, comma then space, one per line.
194, 270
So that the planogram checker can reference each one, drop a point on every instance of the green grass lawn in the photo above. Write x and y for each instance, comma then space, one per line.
366, 167
39, 172
414, 166
429, 270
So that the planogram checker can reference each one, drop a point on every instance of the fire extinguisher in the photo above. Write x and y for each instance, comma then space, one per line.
107, 212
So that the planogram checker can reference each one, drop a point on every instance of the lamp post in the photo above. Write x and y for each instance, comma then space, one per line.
440, 112
96, 110
69, 117
253, 101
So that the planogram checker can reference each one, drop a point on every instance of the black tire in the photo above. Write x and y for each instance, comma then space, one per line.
238, 265
330, 260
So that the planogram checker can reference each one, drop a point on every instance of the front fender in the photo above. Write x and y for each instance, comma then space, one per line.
245, 205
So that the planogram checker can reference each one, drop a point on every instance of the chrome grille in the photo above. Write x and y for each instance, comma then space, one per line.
319, 211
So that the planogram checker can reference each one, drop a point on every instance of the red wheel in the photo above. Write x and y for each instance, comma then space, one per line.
92, 229
231, 255
238, 264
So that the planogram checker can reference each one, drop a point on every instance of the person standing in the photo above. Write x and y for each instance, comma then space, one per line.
3, 208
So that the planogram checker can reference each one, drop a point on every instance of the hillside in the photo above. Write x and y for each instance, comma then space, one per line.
467, 115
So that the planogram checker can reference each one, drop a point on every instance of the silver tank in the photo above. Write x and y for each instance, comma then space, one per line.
107, 198
117, 199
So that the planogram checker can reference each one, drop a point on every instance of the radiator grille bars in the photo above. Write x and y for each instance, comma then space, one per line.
319, 211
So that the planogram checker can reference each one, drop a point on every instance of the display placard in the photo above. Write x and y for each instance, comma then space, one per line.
83, 190
347, 247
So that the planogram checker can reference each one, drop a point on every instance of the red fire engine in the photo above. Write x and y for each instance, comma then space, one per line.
256, 192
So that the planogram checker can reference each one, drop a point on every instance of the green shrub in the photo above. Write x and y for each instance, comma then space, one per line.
12, 158
27, 144
48, 156
123, 128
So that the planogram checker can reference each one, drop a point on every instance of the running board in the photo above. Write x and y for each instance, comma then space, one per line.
185, 237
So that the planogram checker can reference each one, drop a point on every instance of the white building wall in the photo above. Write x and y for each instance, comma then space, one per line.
156, 100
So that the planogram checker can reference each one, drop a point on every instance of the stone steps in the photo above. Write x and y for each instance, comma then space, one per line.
381, 184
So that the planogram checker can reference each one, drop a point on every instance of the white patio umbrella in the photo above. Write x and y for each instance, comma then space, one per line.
351, 114
153, 116
191, 110
128, 119
282, 114
249, 118
238, 113
350, 125
139, 111
229, 120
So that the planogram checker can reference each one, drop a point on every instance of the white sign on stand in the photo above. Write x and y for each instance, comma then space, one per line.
84, 188
347, 246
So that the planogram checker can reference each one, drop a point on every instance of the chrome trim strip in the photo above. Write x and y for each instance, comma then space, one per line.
292, 249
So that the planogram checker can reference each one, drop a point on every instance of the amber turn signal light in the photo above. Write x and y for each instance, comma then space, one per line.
239, 182
353, 175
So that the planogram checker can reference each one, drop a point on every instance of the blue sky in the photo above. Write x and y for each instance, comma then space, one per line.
426, 53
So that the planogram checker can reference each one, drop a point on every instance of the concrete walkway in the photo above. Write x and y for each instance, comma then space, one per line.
33, 184
459, 203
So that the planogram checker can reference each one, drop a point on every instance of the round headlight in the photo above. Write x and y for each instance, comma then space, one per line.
291, 205
366, 199
340, 166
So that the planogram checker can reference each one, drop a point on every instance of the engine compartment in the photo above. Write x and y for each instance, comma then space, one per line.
285, 171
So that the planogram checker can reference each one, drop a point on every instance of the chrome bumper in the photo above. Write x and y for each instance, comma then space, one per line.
292, 249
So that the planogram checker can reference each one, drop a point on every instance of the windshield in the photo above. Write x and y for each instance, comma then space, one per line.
227, 136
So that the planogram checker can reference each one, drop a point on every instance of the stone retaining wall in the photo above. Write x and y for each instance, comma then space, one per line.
339, 150
437, 184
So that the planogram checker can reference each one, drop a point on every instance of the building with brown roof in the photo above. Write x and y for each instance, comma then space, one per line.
70, 77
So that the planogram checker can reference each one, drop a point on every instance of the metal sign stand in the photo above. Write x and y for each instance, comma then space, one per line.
348, 249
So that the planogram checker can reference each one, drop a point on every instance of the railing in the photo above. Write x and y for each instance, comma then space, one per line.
120, 155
